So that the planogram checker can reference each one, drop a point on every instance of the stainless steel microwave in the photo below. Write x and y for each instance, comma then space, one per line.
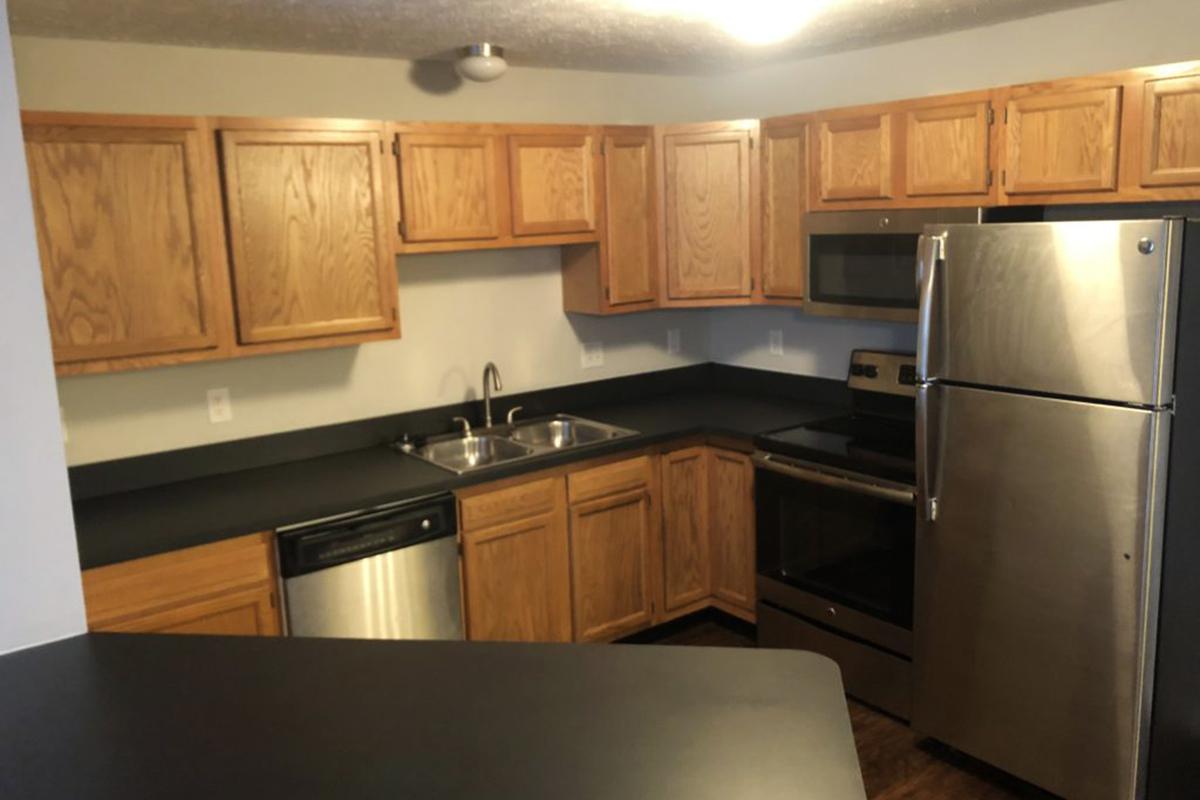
863, 264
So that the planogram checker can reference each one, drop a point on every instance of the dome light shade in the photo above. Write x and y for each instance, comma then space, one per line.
481, 62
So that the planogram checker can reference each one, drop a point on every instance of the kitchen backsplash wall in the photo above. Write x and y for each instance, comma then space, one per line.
459, 311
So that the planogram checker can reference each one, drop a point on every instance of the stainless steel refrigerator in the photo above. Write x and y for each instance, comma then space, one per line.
1045, 369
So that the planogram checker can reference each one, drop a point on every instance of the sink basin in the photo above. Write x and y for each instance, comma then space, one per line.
472, 452
563, 431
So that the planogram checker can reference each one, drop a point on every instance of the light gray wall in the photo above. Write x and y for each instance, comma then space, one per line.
40, 596
461, 310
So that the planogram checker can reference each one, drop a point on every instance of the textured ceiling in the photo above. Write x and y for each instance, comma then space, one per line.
580, 34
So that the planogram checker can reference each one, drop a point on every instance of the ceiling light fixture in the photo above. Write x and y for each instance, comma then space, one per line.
481, 62
757, 22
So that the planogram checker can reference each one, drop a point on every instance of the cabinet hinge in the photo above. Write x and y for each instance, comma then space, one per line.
272, 598
608, 294
603, 147
1004, 177
395, 147
751, 142
395, 314
752, 283
1006, 115
991, 116
401, 227
990, 176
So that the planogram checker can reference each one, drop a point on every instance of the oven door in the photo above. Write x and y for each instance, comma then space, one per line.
837, 547
863, 264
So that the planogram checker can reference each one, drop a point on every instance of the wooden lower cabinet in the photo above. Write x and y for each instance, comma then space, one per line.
685, 541
731, 529
516, 575
225, 588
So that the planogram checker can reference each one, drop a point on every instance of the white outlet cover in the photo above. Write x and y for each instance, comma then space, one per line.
775, 341
673, 341
591, 355
220, 409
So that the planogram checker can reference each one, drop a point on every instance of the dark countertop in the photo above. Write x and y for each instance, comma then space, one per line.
121, 715
138, 523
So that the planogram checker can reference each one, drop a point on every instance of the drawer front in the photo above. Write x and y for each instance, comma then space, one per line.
623, 476
505, 505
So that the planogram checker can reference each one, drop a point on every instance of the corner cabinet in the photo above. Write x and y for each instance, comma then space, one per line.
308, 232
226, 588
710, 210
130, 238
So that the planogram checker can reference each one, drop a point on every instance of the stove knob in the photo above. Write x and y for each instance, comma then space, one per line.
871, 371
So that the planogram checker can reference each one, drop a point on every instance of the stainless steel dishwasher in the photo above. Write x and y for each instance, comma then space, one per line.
387, 573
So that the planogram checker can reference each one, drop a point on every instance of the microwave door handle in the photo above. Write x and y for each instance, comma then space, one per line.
931, 248
927, 501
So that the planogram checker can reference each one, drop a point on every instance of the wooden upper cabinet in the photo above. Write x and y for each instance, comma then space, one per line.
308, 232
853, 157
731, 525
129, 235
1171, 132
451, 186
553, 183
785, 202
710, 185
631, 235
947, 150
1062, 140
685, 536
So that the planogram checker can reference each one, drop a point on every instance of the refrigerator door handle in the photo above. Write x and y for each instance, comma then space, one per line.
931, 248
926, 495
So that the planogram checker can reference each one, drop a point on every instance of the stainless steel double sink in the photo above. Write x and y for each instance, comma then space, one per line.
467, 452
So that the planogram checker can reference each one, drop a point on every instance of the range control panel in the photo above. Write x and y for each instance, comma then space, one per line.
890, 373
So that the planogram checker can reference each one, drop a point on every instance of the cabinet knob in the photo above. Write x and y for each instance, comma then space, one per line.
426, 524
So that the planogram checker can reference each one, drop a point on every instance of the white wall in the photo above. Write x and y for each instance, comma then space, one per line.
40, 596
450, 302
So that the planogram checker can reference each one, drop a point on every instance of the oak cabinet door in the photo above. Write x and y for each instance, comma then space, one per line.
1062, 141
553, 183
129, 237
311, 254
451, 187
252, 612
947, 150
707, 199
731, 493
631, 227
785, 201
516, 581
685, 551
611, 557
854, 158
1171, 132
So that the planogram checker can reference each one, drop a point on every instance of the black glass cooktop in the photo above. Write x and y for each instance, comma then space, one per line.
884, 447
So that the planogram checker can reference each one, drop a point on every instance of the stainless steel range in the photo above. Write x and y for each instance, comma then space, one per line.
836, 521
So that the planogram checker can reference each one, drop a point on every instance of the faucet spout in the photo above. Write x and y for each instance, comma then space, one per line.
490, 370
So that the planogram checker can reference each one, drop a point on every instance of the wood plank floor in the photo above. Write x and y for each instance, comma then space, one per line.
896, 764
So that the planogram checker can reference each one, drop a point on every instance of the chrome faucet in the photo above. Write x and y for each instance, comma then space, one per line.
490, 369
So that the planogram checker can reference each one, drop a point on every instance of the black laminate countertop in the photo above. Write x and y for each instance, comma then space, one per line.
140, 716
158, 519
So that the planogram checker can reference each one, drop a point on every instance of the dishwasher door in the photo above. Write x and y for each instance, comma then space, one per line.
390, 574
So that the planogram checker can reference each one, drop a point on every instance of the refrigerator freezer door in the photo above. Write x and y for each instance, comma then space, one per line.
1037, 584
1080, 309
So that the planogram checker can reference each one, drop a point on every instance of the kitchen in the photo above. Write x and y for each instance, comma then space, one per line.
656, 522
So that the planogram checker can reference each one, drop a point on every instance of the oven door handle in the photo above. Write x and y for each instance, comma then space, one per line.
891, 494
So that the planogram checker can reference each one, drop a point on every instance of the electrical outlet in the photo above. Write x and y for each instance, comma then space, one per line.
220, 409
672, 341
775, 341
592, 355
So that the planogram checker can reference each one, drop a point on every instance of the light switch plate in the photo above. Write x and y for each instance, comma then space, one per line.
672, 341
220, 409
775, 341
592, 355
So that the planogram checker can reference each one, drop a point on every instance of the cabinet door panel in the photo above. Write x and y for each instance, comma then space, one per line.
1171, 132
785, 187
731, 488
449, 187
610, 565
630, 221
311, 256
553, 184
246, 613
1062, 142
516, 581
947, 150
855, 158
128, 239
708, 214
686, 575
